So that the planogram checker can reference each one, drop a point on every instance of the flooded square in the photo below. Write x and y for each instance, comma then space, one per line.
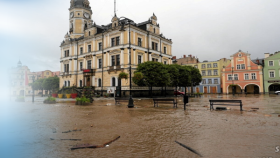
50, 130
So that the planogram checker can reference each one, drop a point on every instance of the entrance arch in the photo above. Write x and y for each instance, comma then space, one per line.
236, 90
252, 89
274, 87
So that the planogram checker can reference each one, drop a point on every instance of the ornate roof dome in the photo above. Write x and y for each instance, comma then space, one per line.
79, 3
19, 64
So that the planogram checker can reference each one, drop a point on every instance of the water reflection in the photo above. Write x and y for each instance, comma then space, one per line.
145, 131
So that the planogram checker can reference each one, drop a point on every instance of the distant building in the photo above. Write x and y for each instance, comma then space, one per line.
47, 73
272, 72
244, 74
211, 75
186, 60
20, 77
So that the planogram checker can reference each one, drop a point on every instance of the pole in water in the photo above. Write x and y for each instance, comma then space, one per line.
190, 149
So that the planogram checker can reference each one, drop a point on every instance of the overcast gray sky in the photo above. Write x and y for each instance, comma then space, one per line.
32, 30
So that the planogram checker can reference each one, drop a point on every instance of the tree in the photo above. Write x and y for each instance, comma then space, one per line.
38, 84
195, 77
51, 83
154, 74
184, 74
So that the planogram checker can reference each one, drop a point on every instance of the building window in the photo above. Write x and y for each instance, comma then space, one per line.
65, 83
229, 77
216, 72
154, 59
270, 63
112, 42
195, 66
235, 76
203, 81
154, 46
209, 73
165, 62
246, 77
68, 83
139, 59
154, 30
99, 82
89, 33
203, 66
89, 48
66, 53
100, 46
66, 67
47, 73
81, 66
117, 41
203, 73
271, 74
253, 76
99, 63
139, 42
164, 50
118, 60
242, 66
113, 60
81, 83
89, 64
113, 81
81, 50
238, 67
208, 65
215, 81
215, 65
209, 81
21, 83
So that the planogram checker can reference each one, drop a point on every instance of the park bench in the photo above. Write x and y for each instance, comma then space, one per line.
225, 102
173, 101
118, 100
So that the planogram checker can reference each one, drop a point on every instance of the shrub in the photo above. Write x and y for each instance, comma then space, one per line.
50, 99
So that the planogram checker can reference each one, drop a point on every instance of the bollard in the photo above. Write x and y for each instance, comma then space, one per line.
186, 100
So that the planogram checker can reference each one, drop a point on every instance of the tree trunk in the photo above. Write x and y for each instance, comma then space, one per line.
192, 88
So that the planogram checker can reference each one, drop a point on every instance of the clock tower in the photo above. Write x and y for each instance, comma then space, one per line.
79, 17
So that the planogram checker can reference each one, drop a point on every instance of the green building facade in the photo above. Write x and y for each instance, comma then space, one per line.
272, 72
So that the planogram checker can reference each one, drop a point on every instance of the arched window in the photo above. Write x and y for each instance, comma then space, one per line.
115, 24
81, 83
68, 83
99, 82
65, 83
113, 81
154, 30
85, 26
89, 33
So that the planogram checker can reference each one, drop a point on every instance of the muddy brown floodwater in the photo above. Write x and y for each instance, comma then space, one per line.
35, 130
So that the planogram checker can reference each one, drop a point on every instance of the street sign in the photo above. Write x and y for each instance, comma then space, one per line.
111, 90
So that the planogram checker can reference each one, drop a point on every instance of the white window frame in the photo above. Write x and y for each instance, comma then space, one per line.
238, 66
195, 66
269, 63
245, 76
138, 58
216, 82
203, 73
203, 81
116, 81
234, 75
229, 77
244, 66
252, 76
216, 74
203, 66
269, 73
209, 65
208, 72
215, 65
210, 81
90, 48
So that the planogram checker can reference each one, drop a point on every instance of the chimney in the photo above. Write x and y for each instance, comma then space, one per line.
184, 56
266, 55
174, 57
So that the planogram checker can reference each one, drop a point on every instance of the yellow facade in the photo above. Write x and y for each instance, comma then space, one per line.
81, 51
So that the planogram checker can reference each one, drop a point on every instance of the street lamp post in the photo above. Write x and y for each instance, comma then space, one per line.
33, 78
232, 78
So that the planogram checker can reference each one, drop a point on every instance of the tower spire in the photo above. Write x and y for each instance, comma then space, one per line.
115, 8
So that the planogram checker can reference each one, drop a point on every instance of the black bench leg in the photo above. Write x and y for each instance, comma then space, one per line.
241, 107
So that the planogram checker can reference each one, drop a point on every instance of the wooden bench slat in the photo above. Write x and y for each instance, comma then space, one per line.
230, 103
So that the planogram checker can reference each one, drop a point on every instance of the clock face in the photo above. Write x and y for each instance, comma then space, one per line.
71, 14
86, 15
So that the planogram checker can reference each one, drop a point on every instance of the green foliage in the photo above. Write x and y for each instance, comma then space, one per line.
195, 76
138, 78
123, 75
154, 74
198, 93
38, 84
51, 83
83, 99
173, 71
50, 99
106, 95
233, 85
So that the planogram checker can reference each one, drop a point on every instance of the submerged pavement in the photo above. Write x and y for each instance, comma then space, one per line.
50, 130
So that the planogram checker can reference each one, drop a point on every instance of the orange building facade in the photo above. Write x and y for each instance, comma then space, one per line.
242, 74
